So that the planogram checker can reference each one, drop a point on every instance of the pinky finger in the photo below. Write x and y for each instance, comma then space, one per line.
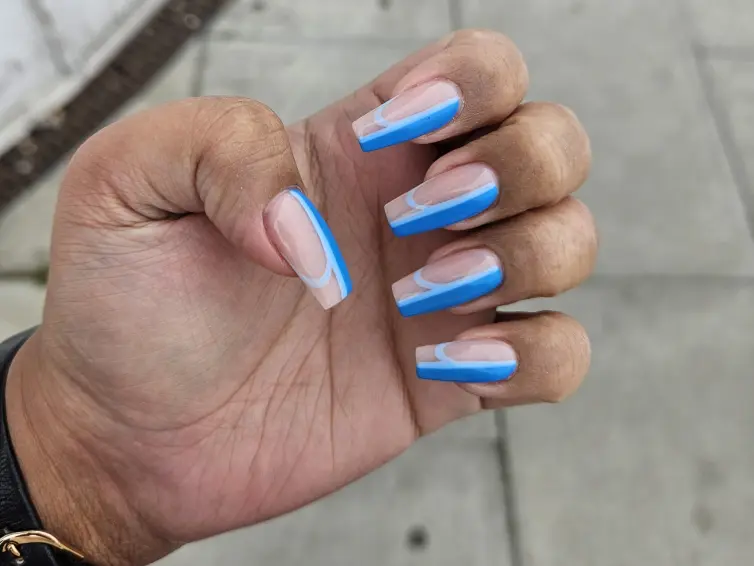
527, 358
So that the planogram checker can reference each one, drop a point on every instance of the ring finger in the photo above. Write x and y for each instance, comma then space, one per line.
540, 253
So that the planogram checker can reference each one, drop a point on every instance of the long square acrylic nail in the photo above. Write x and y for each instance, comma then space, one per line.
412, 114
304, 239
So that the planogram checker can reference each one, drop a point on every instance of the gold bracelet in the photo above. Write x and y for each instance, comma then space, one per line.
11, 542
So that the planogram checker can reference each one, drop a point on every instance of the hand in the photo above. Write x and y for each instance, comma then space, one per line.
184, 383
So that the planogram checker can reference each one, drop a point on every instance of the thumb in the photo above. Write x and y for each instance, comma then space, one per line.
227, 158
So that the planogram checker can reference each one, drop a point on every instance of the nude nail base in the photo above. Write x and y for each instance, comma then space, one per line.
444, 296
304, 239
409, 115
412, 127
473, 361
448, 282
453, 196
447, 213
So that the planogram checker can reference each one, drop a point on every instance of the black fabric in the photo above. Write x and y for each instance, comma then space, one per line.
17, 512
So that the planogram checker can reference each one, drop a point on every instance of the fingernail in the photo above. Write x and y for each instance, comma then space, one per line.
414, 113
467, 361
451, 197
302, 237
449, 282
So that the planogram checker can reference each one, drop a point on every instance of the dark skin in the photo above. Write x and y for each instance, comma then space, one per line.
184, 384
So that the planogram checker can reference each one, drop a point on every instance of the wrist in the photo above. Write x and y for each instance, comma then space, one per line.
75, 498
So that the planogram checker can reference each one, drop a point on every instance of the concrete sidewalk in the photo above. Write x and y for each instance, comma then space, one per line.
652, 462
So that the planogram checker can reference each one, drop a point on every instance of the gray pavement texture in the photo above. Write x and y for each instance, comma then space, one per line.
652, 461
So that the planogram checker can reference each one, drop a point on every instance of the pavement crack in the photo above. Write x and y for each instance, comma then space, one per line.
726, 134
505, 458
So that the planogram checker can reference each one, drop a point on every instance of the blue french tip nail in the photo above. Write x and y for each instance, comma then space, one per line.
466, 372
410, 128
336, 264
440, 296
497, 362
446, 213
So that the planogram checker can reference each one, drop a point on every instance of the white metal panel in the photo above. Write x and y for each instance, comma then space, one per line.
84, 27
25, 65
50, 49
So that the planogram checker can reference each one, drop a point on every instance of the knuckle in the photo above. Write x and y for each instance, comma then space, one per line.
242, 125
100, 163
237, 136
580, 246
107, 182
545, 168
569, 344
479, 35
567, 244
561, 112
495, 61
516, 70
92, 159
586, 227
476, 69
551, 113
538, 258
246, 113
575, 145
557, 326
557, 146
550, 257
239, 139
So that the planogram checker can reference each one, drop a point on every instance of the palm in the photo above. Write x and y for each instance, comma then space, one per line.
273, 402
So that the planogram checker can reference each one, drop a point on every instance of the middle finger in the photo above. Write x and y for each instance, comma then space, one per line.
537, 157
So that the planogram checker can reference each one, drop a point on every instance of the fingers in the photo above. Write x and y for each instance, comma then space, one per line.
477, 79
227, 158
537, 157
513, 163
538, 254
533, 358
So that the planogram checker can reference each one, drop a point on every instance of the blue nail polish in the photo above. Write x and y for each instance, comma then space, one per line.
410, 128
447, 369
336, 264
440, 296
445, 213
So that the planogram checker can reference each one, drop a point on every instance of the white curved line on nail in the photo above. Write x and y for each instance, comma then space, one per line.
439, 288
321, 282
417, 211
389, 127
379, 119
512, 364
428, 285
330, 263
409, 198
441, 355
443, 360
